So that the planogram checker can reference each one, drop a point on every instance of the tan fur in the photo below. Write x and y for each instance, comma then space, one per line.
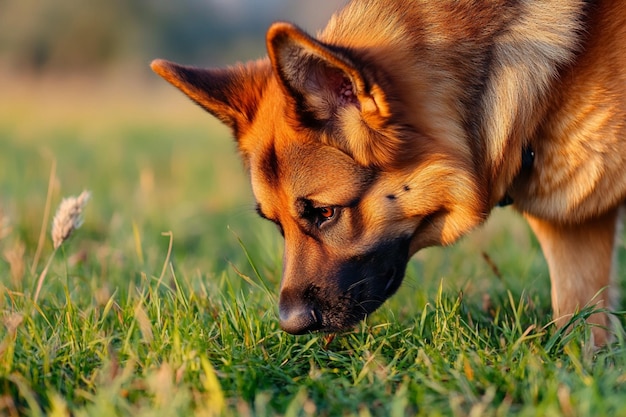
405, 123
561, 244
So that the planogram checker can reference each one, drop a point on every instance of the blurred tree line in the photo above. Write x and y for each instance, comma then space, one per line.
83, 35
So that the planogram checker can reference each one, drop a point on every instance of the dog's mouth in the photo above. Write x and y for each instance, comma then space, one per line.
365, 300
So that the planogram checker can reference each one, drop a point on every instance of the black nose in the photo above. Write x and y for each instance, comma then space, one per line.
297, 316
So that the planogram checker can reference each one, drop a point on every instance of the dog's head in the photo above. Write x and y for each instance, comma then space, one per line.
344, 167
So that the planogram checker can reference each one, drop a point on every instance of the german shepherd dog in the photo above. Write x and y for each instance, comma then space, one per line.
405, 122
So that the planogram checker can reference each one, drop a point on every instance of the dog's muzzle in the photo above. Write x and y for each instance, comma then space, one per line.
343, 293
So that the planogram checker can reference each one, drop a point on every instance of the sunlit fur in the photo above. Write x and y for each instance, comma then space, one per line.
410, 118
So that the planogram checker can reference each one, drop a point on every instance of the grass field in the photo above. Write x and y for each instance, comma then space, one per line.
164, 302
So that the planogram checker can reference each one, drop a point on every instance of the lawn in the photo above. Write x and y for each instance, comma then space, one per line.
164, 302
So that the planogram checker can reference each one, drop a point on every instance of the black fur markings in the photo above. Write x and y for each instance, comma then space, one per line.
270, 166
405, 188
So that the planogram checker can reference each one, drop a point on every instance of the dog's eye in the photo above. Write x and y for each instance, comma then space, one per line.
326, 213
316, 215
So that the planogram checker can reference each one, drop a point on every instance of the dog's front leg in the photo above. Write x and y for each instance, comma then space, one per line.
580, 259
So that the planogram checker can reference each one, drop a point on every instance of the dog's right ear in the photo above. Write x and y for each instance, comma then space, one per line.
231, 94
332, 89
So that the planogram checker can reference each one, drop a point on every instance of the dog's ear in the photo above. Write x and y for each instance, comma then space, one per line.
231, 94
327, 83
321, 77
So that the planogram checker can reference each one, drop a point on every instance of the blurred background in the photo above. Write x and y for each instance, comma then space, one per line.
38, 37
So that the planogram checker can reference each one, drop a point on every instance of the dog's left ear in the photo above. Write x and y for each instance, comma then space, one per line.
325, 80
231, 94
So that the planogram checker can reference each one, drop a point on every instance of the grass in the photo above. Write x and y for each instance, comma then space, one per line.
164, 302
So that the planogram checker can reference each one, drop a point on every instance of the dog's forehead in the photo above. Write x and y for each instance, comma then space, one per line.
282, 172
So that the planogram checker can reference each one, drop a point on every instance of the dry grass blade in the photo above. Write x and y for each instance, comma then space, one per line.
15, 258
5, 225
46, 214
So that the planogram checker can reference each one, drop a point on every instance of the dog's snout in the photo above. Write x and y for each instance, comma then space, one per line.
296, 315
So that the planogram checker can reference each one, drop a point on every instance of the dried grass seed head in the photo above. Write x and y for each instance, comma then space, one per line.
68, 218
